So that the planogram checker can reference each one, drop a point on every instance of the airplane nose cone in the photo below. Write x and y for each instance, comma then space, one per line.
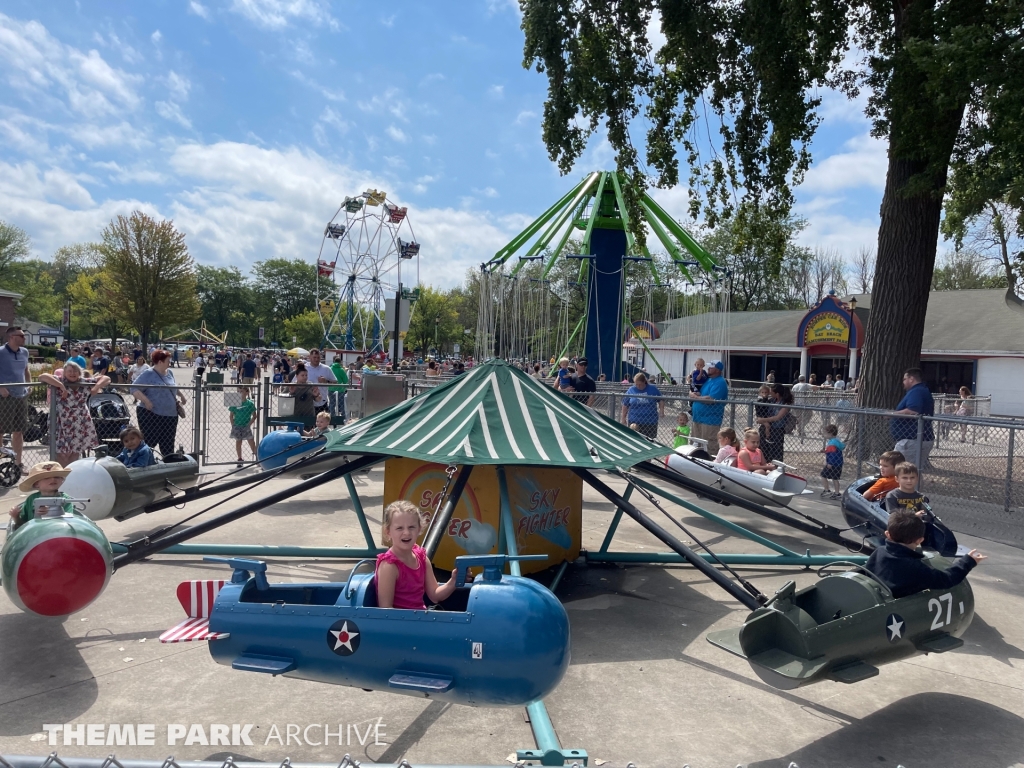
61, 575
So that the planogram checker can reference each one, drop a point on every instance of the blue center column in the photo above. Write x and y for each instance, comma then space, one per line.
604, 303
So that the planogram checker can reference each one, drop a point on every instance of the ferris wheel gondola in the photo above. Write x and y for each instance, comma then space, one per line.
360, 263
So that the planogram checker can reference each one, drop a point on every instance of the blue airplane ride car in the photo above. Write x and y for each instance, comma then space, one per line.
503, 641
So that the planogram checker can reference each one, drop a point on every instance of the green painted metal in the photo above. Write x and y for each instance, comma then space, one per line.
531, 230
625, 322
573, 336
357, 504
508, 534
263, 550
549, 750
558, 222
593, 213
558, 576
561, 243
807, 560
616, 518
745, 533
666, 240
680, 234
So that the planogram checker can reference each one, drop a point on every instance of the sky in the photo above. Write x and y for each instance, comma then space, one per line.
248, 122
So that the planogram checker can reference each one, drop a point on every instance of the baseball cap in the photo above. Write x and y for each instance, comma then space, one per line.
581, 361
718, 364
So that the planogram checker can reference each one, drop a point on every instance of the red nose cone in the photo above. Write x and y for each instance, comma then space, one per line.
60, 576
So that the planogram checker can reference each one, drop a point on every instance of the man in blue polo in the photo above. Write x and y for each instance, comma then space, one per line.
13, 399
709, 406
917, 402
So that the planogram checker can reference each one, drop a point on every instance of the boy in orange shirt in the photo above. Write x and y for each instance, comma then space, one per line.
887, 482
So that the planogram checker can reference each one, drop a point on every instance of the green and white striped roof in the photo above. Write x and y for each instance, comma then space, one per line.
496, 414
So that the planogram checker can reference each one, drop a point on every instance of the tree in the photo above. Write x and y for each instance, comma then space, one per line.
39, 301
14, 246
863, 270
993, 232
150, 273
69, 261
95, 310
434, 312
943, 88
305, 329
285, 288
227, 301
827, 273
965, 270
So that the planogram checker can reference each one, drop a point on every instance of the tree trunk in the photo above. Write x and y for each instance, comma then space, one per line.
922, 132
907, 239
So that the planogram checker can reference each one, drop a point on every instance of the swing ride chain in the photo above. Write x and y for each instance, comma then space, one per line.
450, 472
758, 594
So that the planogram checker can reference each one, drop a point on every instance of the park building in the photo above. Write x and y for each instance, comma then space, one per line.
972, 338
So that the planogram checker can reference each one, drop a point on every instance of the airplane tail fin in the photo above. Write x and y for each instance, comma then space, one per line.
197, 598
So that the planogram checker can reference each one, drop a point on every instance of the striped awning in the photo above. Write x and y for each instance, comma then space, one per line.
496, 414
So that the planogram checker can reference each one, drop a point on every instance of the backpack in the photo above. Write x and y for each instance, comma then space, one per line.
790, 423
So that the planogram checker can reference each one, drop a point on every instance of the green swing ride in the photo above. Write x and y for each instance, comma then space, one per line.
516, 320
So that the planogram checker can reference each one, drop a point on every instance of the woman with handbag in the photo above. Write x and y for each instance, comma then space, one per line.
778, 425
160, 404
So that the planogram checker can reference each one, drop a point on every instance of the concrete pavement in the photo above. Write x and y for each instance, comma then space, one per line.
644, 685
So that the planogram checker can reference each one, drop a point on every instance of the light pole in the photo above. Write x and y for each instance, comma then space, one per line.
437, 320
849, 335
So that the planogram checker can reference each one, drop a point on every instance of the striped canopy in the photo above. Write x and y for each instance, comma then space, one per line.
496, 414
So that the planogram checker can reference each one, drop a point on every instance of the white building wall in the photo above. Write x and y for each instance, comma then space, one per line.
1001, 378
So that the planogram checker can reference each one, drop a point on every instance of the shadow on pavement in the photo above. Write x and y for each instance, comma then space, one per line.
924, 729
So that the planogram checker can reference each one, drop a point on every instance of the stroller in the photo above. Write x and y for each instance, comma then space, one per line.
109, 415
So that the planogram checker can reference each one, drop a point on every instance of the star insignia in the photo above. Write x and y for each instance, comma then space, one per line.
343, 638
894, 627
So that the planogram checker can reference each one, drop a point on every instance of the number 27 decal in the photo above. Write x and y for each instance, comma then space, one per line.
936, 605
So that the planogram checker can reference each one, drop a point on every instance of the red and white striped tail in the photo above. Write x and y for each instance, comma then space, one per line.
197, 598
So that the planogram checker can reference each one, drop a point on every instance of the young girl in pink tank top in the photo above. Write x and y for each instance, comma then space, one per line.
750, 457
404, 573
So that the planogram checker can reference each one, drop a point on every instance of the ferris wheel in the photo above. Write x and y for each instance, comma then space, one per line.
364, 250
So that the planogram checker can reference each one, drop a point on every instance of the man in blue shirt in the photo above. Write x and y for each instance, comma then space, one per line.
709, 406
13, 399
76, 357
918, 401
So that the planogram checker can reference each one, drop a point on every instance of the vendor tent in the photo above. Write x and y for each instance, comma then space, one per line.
496, 414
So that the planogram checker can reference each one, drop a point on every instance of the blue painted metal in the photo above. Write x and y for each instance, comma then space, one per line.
273, 452
509, 647
605, 286
741, 559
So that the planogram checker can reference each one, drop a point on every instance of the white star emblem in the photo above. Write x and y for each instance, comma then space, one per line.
895, 629
344, 637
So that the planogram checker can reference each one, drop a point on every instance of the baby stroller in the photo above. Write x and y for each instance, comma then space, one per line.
10, 472
109, 415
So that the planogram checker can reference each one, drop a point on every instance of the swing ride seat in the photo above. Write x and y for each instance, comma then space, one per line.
504, 641
845, 626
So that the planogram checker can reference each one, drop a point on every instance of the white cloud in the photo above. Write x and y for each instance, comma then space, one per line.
328, 93
496, 91
486, 192
37, 64
525, 116
156, 37
655, 36
388, 21
390, 102
168, 110
864, 165
199, 9
178, 86
329, 118
830, 229
277, 14
396, 134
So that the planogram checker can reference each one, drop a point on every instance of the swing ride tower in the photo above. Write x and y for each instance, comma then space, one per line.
595, 209
361, 257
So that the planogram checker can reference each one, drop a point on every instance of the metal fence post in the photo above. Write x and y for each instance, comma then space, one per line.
611, 406
265, 425
861, 443
920, 447
197, 419
52, 425
1008, 488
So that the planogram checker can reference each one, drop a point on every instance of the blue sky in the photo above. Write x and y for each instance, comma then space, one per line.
248, 121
